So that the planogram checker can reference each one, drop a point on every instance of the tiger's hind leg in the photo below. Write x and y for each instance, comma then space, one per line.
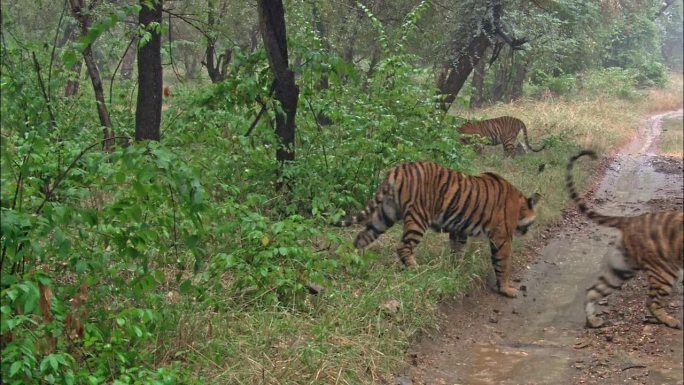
501, 260
511, 149
617, 273
520, 149
457, 241
660, 286
413, 233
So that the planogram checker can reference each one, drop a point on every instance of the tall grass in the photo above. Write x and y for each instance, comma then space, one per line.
672, 138
345, 335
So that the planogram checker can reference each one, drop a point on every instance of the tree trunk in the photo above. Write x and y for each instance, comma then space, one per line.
324, 82
102, 112
216, 67
518, 79
489, 29
272, 26
478, 84
460, 68
148, 109
501, 79
128, 61
82, 15
74, 84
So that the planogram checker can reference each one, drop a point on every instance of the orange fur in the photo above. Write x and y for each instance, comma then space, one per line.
427, 195
652, 242
502, 130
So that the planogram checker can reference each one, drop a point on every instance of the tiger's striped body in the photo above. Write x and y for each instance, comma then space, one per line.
502, 130
652, 242
427, 195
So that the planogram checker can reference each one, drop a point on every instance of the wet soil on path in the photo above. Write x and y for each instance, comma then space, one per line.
539, 337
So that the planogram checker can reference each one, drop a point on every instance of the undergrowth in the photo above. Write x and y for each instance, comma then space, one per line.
178, 262
671, 139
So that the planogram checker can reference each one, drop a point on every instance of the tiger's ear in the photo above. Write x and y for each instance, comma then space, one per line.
532, 201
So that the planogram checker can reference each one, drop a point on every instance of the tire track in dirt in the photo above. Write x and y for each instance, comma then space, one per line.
539, 338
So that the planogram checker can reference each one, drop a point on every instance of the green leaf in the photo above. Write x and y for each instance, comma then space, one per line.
15, 368
186, 287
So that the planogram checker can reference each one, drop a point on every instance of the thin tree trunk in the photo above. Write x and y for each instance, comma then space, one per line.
501, 79
324, 82
272, 25
102, 112
216, 67
148, 109
128, 62
82, 15
518, 80
73, 84
478, 84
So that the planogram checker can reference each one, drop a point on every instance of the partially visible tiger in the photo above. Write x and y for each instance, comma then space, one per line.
502, 130
426, 194
651, 241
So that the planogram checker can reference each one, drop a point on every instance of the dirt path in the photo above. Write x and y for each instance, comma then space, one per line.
539, 338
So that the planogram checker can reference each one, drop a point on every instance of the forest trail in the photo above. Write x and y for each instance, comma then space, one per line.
539, 337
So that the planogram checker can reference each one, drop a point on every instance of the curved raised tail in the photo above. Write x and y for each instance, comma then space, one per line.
527, 140
579, 200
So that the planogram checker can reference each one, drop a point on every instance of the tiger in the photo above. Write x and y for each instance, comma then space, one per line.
426, 195
502, 130
651, 241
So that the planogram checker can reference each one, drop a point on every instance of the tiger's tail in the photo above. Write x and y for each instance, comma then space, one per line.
379, 215
527, 140
579, 200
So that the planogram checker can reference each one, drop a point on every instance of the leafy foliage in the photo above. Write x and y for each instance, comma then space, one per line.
105, 253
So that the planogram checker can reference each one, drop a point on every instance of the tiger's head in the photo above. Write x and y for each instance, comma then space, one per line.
527, 215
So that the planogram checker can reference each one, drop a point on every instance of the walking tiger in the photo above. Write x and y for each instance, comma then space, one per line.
652, 242
426, 194
502, 130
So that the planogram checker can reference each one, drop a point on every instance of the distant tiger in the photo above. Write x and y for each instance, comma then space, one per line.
502, 130
426, 194
652, 242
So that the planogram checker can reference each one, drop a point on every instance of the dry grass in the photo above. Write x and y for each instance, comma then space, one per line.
600, 124
343, 336
603, 124
669, 98
672, 138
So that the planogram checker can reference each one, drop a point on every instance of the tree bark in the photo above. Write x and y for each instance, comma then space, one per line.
128, 62
82, 15
216, 67
502, 77
148, 109
74, 84
272, 26
460, 68
465, 59
478, 84
518, 79
324, 82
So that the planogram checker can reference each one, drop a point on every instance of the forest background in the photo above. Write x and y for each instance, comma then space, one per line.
170, 169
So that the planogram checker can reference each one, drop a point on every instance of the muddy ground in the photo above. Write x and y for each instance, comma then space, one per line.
539, 337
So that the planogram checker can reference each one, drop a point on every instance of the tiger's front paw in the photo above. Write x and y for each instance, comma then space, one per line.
409, 262
509, 291
595, 322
